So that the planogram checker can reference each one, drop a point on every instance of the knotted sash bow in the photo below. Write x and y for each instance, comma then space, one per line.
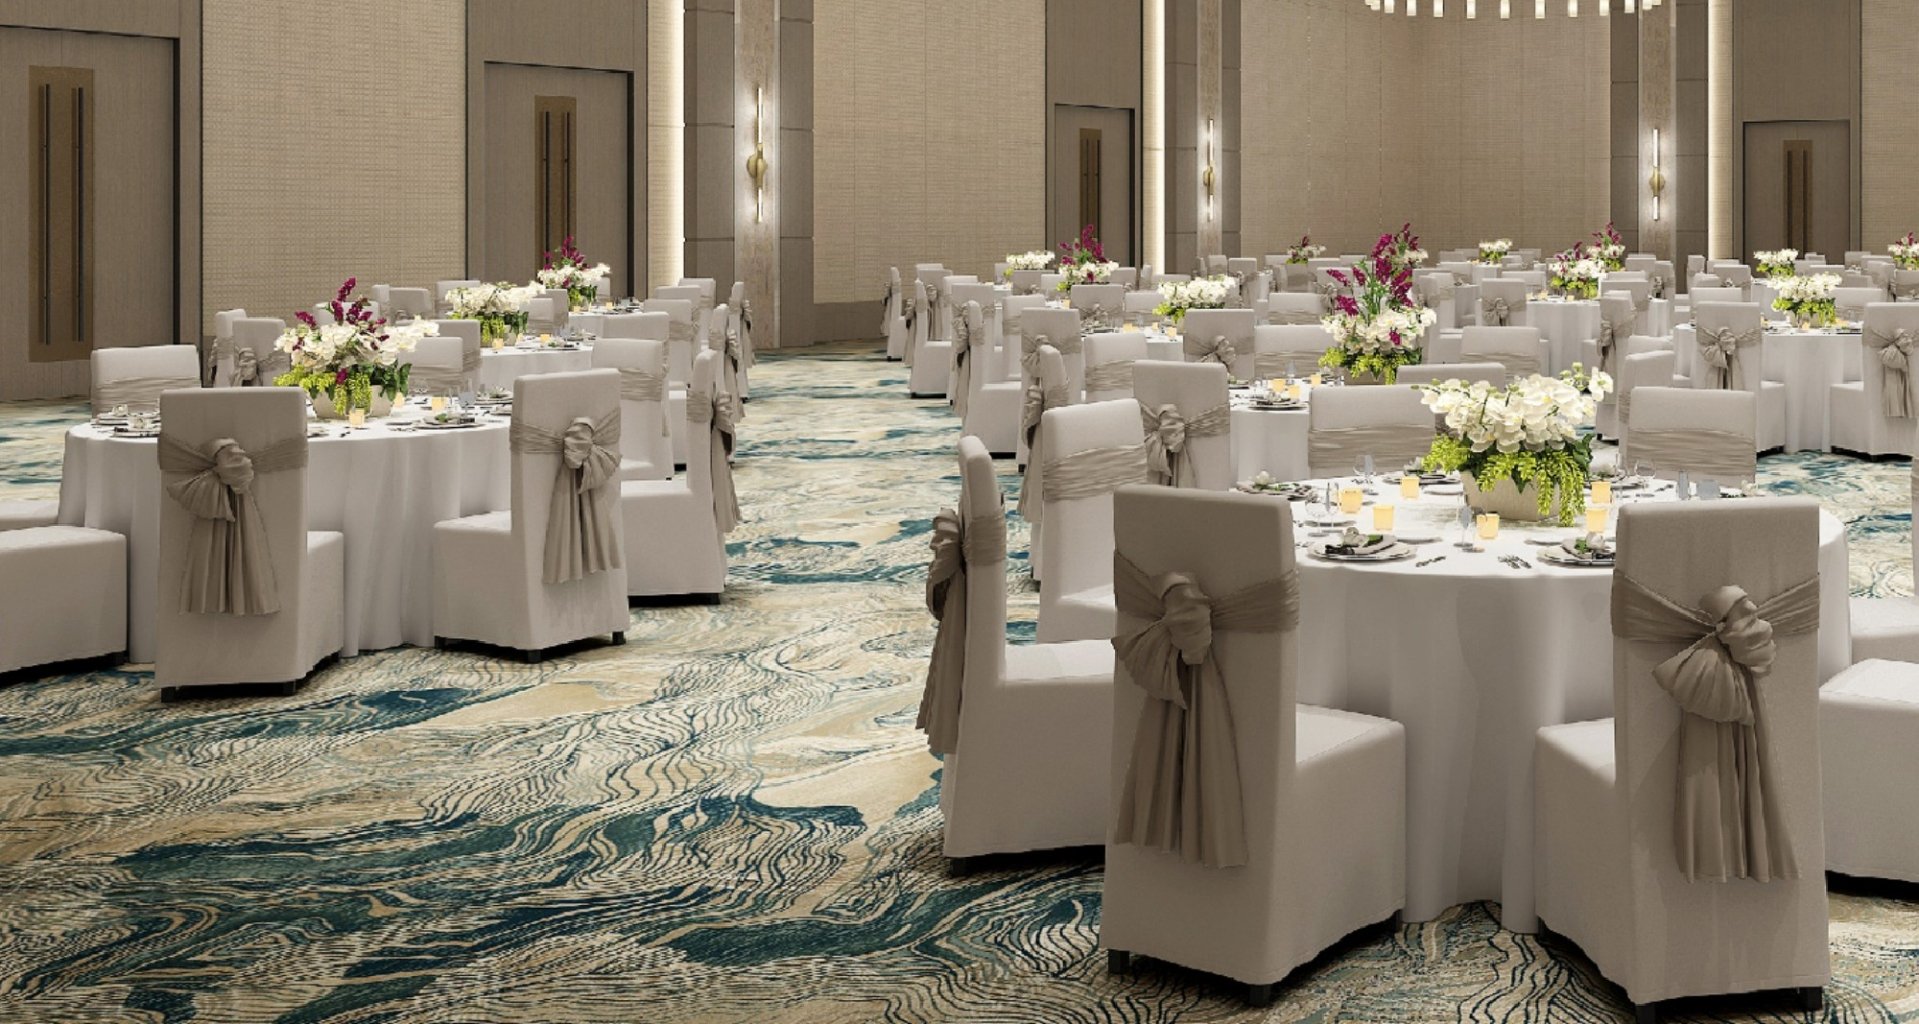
717, 414
1038, 399
1895, 365
962, 364
1658, 287
1217, 349
1719, 347
745, 340
886, 308
580, 536
1168, 432
1728, 823
229, 568
957, 544
1182, 790
1608, 340
1029, 349
1497, 310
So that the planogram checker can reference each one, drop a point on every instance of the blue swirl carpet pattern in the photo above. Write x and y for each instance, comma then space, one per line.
729, 819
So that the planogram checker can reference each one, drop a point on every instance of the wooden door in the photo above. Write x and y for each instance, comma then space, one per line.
557, 157
1092, 177
1797, 187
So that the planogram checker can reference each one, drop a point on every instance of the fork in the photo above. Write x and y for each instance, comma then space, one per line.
1429, 561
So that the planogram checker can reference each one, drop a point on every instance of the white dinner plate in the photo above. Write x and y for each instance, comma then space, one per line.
1560, 556
1398, 551
455, 425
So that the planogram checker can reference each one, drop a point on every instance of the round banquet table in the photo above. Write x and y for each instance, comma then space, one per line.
1566, 324
500, 367
1269, 440
1809, 363
1473, 657
382, 487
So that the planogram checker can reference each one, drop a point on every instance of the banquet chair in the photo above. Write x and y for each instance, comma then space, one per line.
1188, 423
1223, 336
1875, 416
1025, 282
1110, 358
1299, 277
1046, 390
930, 275
893, 316
1661, 280
259, 336
1143, 306
1732, 275
1244, 271
1011, 351
220, 349
1904, 285
1437, 291
1635, 875
1148, 279
445, 365
1706, 434
1062, 329
1300, 834
549, 570
1617, 321
1288, 350
1850, 303
1172, 279
1024, 729
990, 410
1713, 293
740, 338
1295, 309
1520, 350
1887, 628
247, 594
1638, 290
1089, 451
27, 513
1636, 370
441, 289
676, 529
1869, 755
410, 303
76, 604
1433, 373
542, 315
682, 343
1344, 425
465, 330
135, 377
930, 361
1639, 262
709, 291
1502, 302
1125, 277
1738, 329
943, 302
640, 327
1100, 306
646, 445
1327, 285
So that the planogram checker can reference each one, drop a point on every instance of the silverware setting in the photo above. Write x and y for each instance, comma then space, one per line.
1429, 561
1515, 562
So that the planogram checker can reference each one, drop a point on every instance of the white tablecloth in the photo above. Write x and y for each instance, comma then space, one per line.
383, 488
1473, 658
499, 368
1808, 363
1269, 440
1564, 325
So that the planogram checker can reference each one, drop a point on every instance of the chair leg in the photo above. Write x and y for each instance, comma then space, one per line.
169, 694
439, 643
1259, 996
1118, 961
532, 657
1812, 1000
1645, 1013
959, 867
619, 638
290, 689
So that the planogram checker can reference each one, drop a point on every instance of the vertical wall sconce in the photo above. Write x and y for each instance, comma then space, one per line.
1657, 181
756, 166
1208, 175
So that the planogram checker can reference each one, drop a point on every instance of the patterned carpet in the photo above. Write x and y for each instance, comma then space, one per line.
729, 819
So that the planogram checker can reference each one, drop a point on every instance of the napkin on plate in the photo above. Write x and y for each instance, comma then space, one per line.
1591, 547
1353, 542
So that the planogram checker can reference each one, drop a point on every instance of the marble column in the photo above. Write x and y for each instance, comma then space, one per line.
1210, 124
1656, 120
756, 233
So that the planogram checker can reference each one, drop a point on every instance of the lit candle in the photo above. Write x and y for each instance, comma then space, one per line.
1602, 492
437, 403
1409, 487
1316, 379
1382, 518
499, 343
546, 339
356, 418
1350, 499
1596, 519
1488, 526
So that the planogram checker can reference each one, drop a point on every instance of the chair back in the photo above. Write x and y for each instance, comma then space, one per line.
1904, 285
1714, 293
641, 364
1110, 358
1198, 391
690, 293
462, 329
709, 289
644, 326
1283, 350
1089, 451
1662, 279
1059, 328
1708, 434
1534, 280
551, 402
681, 337
1851, 303
1502, 302
136, 377
1733, 275
1649, 369
1295, 308
983, 506
1433, 373
410, 302
1519, 349
1205, 329
1100, 304
439, 365
1125, 277
1392, 424
1743, 935
1746, 320
1025, 282
442, 288
211, 647
1890, 325
1640, 262
223, 322
1638, 288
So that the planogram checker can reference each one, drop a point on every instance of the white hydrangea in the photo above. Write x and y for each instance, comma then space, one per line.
1810, 288
1535, 413
1037, 259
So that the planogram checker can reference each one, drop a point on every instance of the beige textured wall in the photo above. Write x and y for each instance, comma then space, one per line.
929, 137
1890, 134
1357, 121
330, 161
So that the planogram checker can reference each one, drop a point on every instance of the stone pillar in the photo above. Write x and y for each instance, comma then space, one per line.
756, 136
714, 165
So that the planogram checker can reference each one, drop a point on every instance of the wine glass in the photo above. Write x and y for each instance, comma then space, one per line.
1466, 526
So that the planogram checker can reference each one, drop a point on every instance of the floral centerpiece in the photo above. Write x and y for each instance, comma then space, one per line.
1609, 248
1305, 250
1176, 297
500, 308
352, 363
1775, 262
1378, 328
568, 269
1527, 435
1495, 251
1095, 272
1401, 248
1575, 272
1808, 300
1905, 252
1083, 260
1038, 259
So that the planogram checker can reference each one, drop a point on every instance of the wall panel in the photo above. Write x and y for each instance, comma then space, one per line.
1890, 122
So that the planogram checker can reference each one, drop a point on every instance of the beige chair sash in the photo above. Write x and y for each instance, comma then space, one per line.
1167, 434
682, 332
1038, 399
962, 364
1717, 454
1719, 347
1095, 318
1182, 790
1116, 375
1270, 365
1658, 288
1093, 472
637, 385
909, 312
957, 545
717, 413
1904, 290
448, 378
1302, 317
744, 357
1495, 312
1728, 823
1029, 350
581, 538
1608, 340
1390, 444
136, 391
1217, 349
248, 368
229, 568
1895, 368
